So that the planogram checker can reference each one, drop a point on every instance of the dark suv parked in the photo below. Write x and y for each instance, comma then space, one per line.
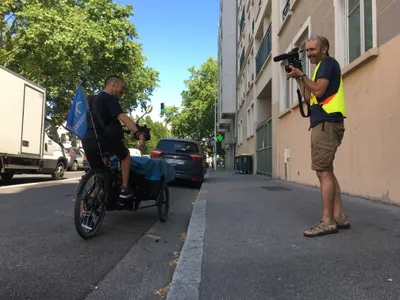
185, 155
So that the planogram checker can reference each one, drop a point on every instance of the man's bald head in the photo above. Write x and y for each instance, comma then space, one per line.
317, 47
111, 79
115, 86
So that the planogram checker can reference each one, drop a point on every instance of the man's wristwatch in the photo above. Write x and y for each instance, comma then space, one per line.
301, 77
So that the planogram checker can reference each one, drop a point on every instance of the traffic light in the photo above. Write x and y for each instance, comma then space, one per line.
162, 108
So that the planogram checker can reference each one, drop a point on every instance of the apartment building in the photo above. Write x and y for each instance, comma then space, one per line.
227, 78
254, 83
268, 121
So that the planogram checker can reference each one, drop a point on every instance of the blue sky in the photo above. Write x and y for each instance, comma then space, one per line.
175, 34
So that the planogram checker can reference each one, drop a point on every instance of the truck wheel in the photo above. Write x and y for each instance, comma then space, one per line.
59, 171
7, 176
75, 166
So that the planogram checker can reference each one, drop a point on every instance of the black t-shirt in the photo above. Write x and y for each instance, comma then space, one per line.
108, 107
330, 70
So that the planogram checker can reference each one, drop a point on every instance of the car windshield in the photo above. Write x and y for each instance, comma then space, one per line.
178, 147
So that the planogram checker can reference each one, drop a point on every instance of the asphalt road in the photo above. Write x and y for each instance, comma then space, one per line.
42, 256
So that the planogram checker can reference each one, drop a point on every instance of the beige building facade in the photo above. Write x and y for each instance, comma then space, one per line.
364, 38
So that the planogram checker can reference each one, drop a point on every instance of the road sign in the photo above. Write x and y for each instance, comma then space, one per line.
213, 140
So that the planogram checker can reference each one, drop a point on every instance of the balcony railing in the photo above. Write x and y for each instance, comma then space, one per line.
264, 51
285, 10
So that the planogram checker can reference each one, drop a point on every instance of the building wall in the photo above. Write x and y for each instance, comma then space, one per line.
227, 41
245, 93
254, 92
388, 20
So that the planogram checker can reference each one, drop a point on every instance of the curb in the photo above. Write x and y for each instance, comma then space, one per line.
186, 281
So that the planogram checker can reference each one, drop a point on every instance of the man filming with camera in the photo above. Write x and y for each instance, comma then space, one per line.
324, 92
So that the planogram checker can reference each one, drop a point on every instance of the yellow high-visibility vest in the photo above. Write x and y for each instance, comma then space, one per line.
334, 103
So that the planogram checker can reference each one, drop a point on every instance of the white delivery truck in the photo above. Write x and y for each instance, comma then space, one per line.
29, 143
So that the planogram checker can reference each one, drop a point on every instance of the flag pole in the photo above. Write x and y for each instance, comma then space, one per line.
94, 127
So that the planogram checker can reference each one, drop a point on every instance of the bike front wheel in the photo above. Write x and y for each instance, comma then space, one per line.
163, 203
90, 207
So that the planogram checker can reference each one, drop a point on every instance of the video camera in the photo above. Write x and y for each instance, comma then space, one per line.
293, 59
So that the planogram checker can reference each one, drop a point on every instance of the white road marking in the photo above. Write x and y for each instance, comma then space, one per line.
55, 182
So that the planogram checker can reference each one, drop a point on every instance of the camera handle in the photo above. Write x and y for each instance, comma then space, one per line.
300, 97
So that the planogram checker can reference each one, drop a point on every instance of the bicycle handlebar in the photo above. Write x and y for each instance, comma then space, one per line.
142, 129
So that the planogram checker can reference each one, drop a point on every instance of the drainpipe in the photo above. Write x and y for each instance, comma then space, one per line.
236, 74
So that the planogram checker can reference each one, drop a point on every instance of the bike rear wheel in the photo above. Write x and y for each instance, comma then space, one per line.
90, 207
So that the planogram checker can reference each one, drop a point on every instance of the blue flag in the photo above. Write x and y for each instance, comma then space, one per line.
77, 121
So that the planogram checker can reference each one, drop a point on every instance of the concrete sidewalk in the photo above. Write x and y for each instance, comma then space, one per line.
245, 241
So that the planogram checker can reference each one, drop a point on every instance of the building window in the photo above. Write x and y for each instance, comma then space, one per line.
359, 27
285, 7
242, 20
355, 22
300, 41
285, 89
304, 58
242, 57
250, 120
240, 132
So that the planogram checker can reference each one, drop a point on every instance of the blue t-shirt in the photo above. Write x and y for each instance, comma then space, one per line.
330, 70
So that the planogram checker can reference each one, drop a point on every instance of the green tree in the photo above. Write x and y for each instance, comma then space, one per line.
196, 120
170, 113
57, 43
158, 131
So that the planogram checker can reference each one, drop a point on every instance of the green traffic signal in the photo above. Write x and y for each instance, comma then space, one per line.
162, 108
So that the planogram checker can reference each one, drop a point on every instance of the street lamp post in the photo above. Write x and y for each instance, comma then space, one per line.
215, 134
198, 128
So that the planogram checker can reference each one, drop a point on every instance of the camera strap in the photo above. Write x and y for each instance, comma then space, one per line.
300, 98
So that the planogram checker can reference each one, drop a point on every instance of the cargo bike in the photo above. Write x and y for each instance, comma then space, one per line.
98, 190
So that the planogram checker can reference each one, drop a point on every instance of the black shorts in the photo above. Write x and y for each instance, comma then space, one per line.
93, 154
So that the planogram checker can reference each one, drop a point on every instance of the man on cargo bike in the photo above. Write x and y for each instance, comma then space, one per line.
106, 112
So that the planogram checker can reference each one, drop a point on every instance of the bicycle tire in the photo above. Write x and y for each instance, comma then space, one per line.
83, 229
163, 200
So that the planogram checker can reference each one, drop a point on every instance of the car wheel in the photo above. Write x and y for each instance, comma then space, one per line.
75, 166
59, 171
7, 176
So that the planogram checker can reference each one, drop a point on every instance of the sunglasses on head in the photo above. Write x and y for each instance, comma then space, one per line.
311, 38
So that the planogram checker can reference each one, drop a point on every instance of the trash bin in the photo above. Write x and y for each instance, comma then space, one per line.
246, 163
237, 164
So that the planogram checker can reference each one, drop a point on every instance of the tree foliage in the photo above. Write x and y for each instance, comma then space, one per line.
56, 43
196, 120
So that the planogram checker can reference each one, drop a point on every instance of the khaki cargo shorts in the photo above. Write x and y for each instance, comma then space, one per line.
325, 139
